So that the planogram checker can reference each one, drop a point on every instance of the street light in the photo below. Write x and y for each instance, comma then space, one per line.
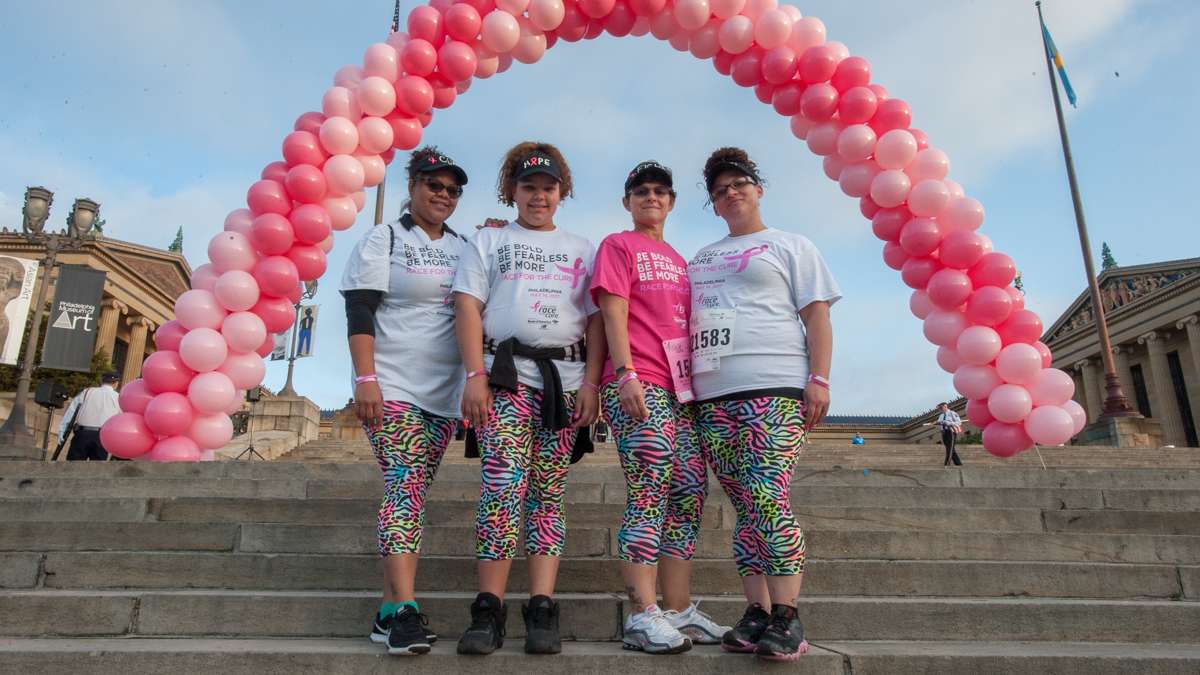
16, 438
310, 290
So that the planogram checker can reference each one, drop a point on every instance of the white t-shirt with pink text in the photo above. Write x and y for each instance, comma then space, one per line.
534, 286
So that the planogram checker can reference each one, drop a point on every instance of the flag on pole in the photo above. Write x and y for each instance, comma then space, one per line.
1056, 57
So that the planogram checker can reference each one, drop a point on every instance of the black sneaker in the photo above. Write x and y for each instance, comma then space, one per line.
381, 625
743, 638
407, 636
541, 626
486, 632
784, 638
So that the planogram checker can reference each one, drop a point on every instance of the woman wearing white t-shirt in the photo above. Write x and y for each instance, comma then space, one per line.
408, 374
761, 349
521, 295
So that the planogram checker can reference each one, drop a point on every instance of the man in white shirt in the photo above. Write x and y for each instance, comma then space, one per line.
951, 425
91, 409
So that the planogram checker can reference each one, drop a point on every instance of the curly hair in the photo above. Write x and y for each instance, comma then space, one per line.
417, 158
713, 166
506, 182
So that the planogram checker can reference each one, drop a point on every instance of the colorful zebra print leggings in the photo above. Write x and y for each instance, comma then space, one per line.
408, 446
522, 464
666, 479
753, 446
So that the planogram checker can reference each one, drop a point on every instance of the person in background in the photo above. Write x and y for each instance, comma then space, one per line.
858, 440
951, 425
90, 409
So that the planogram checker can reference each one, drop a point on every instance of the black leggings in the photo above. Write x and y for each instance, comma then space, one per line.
948, 438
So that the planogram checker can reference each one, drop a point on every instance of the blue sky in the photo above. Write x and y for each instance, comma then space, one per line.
165, 112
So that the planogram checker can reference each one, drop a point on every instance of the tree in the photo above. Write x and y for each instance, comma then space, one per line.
177, 245
1107, 261
1019, 284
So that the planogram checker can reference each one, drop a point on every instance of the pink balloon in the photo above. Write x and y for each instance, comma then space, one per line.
736, 34
203, 349
994, 269
917, 272
989, 306
343, 175
894, 256
340, 101
374, 135
303, 147
856, 143
978, 414
310, 223
268, 196
778, 65
618, 23
169, 335
456, 60
414, 95
978, 345
305, 183
596, 9
381, 60
339, 136
887, 223
920, 237
643, 8
921, 136
919, 304
1078, 416
549, 14
243, 331
723, 9
244, 370
788, 98
500, 31
277, 313
806, 33
1010, 403
310, 121
342, 213
1005, 440
1049, 425
943, 327
1018, 298
819, 102
134, 396
976, 381
406, 132
275, 171
168, 414
852, 72
213, 431
756, 8
961, 249
855, 179
822, 137
948, 289
276, 275
948, 359
928, 198
231, 251
963, 213
1021, 326
326, 244
1052, 386
818, 64
890, 188
418, 57
463, 22
239, 397
832, 166
199, 309
376, 96
271, 234
203, 277
211, 392
892, 113
929, 164
238, 220
1047, 357
175, 449
857, 106
896, 149
309, 261
425, 23
374, 170
126, 435
867, 206
1019, 363
772, 28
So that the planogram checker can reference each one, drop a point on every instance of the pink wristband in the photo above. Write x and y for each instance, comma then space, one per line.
366, 378
476, 373
591, 386
629, 375
819, 381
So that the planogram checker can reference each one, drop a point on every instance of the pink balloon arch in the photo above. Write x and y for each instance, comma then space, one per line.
212, 352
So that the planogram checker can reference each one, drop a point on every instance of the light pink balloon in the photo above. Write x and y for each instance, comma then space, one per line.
948, 289
203, 277
890, 188
375, 134
134, 396
341, 102
1047, 357
1051, 387
856, 143
955, 189
928, 198
243, 331
203, 349
1049, 425
238, 220
500, 31
942, 327
662, 25
963, 213
832, 165
756, 8
1005, 440
168, 414
772, 28
211, 431
978, 345
245, 370
692, 14
236, 290
199, 309
239, 398
948, 359
976, 381
840, 51
1010, 403
856, 179
339, 136
514, 7
736, 34
376, 96
231, 251
723, 9
919, 304
175, 449
800, 125
342, 213
806, 33
211, 392
126, 435
546, 14
822, 137
1019, 363
350, 75
896, 149
326, 244
531, 44
374, 170
929, 163
381, 60
343, 174
1078, 415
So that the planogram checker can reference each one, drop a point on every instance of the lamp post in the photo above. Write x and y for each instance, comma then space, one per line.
310, 290
16, 438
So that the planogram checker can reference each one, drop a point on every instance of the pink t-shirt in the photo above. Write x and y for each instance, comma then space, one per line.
653, 278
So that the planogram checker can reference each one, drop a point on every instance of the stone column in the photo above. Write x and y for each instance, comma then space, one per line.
138, 327
1164, 403
1192, 325
1121, 354
1093, 401
106, 330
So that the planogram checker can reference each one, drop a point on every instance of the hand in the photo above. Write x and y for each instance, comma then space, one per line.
477, 402
587, 407
368, 404
816, 404
633, 401
492, 222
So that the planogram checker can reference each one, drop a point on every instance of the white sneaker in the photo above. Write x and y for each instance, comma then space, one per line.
696, 625
650, 632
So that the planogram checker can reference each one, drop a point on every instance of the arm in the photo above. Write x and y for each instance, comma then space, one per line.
615, 310
587, 406
468, 326
819, 331
67, 415
361, 306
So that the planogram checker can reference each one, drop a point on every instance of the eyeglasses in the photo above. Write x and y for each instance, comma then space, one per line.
661, 192
737, 185
436, 187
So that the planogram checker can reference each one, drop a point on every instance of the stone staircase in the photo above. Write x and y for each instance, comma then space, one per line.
269, 567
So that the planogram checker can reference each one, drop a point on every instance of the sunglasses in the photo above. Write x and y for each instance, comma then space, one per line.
437, 187
737, 185
661, 192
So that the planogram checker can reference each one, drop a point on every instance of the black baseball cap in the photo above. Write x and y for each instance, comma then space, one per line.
729, 165
539, 162
436, 161
649, 170
110, 376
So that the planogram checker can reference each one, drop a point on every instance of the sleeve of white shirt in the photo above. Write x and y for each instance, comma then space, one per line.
369, 266
66, 418
811, 279
472, 276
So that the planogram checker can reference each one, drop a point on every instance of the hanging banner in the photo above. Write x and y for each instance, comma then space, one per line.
17, 279
279, 352
71, 328
307, 332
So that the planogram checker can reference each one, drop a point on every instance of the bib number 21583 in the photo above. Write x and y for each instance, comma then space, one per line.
711, 338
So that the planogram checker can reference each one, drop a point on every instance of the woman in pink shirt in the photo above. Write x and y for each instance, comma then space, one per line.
641, 285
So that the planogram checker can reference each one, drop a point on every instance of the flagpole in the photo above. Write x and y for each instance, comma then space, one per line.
1115, 402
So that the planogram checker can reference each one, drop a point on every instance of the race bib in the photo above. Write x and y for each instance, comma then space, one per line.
679, 357
712, 338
